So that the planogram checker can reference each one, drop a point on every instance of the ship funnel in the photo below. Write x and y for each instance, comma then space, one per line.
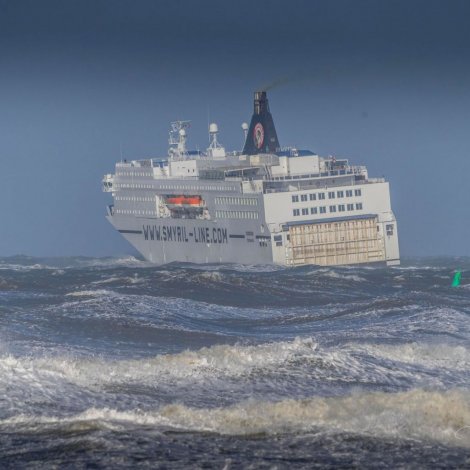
262, 136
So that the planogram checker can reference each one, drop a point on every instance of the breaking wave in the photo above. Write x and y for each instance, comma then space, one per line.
90, 293
301, 359
334, 274
216, 360
414, 414
429, 355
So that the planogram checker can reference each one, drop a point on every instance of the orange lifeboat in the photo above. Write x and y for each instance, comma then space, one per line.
184, 200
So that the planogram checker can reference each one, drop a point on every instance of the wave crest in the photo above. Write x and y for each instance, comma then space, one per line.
414, 414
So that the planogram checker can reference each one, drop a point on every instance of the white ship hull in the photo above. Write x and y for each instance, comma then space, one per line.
163, 241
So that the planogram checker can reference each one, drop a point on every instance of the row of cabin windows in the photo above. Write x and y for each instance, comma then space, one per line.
236, 214
331, 209
133, 173
134, 198
241, 201
133, 212
182, 187
132, 186
195, 188
321, 196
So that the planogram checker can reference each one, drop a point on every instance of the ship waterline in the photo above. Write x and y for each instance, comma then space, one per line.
263, 205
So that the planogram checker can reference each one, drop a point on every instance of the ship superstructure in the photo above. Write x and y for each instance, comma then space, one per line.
263, 205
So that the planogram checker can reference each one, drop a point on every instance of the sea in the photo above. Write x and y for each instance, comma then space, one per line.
115, 363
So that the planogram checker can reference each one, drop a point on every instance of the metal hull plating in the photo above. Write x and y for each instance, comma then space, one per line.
162, 241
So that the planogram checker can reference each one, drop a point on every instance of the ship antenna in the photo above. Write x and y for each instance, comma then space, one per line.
208, 123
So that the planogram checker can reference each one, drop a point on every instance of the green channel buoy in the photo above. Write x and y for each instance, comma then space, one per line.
457, 277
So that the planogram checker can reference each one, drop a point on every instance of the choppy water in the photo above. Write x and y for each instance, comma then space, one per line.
115, 363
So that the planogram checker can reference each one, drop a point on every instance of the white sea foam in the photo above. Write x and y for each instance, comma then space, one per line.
91, 293
123, 261
274, 361
21, 267
212, 276
337, 275
71, 262
435, 355
268, 365
124, 280
256, 268
414, 414
300, 356
220, 360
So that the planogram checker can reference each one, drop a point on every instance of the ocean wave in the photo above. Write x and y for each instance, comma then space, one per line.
29, 263
300, 361
168, 312
120, 280
6, 284
229, 267
91, 293
255, 268
20, 267
334, 274
111, 262
433, 355
209, 362
442, 416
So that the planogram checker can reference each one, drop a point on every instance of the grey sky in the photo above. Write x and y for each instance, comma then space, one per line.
385, 83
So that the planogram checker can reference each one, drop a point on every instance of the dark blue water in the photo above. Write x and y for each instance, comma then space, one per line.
113, 363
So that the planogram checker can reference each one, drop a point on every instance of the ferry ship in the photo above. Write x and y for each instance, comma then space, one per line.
262, 205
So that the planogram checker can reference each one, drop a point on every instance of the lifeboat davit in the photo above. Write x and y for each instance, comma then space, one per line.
184, 200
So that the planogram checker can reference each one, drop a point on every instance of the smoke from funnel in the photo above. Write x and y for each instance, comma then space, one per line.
297, 77
277, 83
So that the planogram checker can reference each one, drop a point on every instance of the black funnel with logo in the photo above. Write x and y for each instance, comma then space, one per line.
262, 136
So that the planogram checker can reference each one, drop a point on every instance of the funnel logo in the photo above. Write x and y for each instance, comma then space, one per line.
258, 135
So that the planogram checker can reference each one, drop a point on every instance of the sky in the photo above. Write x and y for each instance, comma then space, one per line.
383, 83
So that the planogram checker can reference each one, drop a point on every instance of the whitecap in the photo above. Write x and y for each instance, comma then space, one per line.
442, 416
